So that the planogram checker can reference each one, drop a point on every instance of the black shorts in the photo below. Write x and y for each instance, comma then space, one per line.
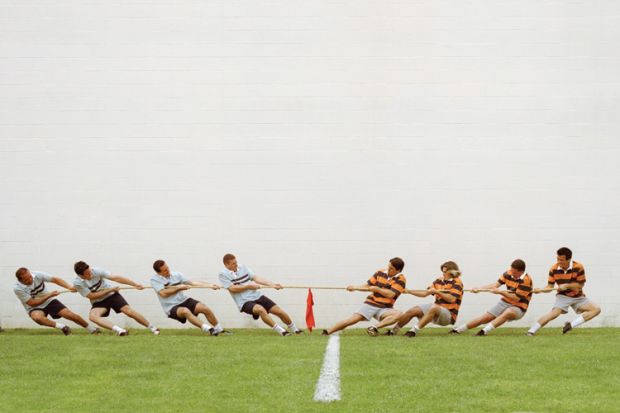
190, 304
263, 300
53, 308
114, 302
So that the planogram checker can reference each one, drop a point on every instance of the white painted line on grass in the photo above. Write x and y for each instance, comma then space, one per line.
328, 385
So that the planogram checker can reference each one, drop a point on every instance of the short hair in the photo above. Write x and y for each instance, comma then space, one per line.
228, 258
158, 264
452, 267
397, 263
565, 252
79, 267
518, 265
21, 272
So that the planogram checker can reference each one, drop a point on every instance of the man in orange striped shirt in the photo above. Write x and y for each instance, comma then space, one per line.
570, 276
386, 286
448, 292
512, 306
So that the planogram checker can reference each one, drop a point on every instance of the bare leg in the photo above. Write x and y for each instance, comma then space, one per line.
589, 311
279, 312
483, 319
260, 311
552, 315
432, 313
354, 319
203, 309
183, 312
95, 316
507, 315
389, 318
130, 312
70, 315
40, 318
408, 315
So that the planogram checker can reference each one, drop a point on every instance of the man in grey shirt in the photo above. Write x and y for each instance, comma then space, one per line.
39, 302
243, 286
169, 286
93, 284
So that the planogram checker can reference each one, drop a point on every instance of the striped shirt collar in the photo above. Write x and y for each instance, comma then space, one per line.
570, 267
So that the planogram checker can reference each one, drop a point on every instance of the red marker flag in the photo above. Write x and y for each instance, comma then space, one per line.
309, 313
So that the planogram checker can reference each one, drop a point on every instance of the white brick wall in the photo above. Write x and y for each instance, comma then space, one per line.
313, 139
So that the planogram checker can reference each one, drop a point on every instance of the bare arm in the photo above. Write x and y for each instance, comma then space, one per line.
509, 295
422, 294
63, 284
265, 282
486, 287
204, 284
445, 296
363, 287
33, 302
173, 289
126, 281
547, 289
101, 293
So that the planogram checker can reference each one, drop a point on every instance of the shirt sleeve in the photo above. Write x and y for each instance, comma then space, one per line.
23, 296
525, 288
224, 280
551, 278
372, 280
456, 289
398, 286
501, 280
43, 276
184, 279
250, 273
81, 288
581, 276
157, 285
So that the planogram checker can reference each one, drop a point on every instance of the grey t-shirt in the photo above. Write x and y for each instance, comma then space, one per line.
159, 282
98, 281
242, 276
35, 290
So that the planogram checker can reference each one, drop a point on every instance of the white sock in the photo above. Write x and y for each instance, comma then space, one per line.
278, 329
396, 329
218, 328
535, 327
462, 328
117, 329
91, 328
416, 328
59, 326
577, 322
488, 328
293, 327
206, 327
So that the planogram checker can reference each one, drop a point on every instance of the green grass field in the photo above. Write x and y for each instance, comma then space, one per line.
257, 371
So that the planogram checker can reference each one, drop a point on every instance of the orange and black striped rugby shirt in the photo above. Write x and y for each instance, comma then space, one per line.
521, 287
380, 279
455, 289
575, 274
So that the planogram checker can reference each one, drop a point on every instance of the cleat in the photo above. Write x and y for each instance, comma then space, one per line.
123, 333
454, 332
372, 331
324, 333
410, 334
567, 327
66, 330
156, 331
285, 333
96, 332
389, 333
481, 333
299, 331
530, 334
213, 332
225, 333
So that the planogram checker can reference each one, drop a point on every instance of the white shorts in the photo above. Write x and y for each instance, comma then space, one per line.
369, 311
500, 307
444, 317
563, 302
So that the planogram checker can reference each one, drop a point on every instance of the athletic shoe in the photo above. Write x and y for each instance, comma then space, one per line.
372, 331
96, 331
225, 333
156, 331
299, 331
410, 334
324, 333
567, 328
481, 333
123, 333
530, 334
453, 332
66, 330
285, 333
213, 332
389, 333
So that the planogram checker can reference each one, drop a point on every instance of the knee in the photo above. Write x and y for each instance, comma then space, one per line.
596, 310
36, 317
434, 309
260, 310
92, 317
183, 312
